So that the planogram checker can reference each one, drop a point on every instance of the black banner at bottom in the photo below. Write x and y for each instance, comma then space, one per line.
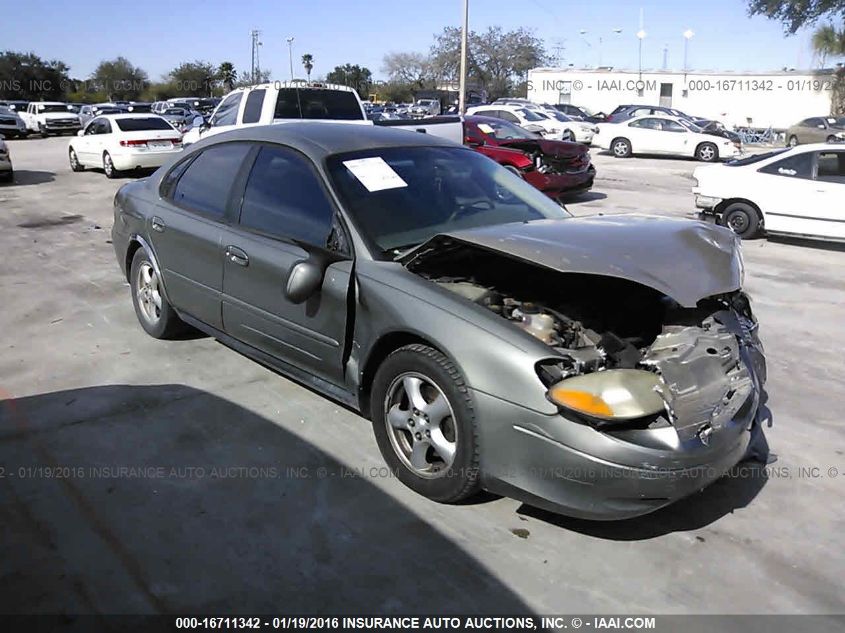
424, 623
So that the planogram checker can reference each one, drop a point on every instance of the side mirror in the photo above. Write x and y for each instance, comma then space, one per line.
198, 122
81, 133
472, 142
304, 280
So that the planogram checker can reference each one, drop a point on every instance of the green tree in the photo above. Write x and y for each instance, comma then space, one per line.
497, 60
411, 69
308, 64
118, 79
193, 79
27, 76
798, 13
352, 75
227, 76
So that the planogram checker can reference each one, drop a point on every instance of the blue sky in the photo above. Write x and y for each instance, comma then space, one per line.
158, 35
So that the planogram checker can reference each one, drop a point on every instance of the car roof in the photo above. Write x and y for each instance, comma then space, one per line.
815, 147
129, 115
319, 140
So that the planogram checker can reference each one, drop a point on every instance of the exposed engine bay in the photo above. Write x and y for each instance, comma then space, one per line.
598, 323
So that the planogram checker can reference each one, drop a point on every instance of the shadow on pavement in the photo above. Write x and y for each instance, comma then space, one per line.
821, 245
140, 499
30, 177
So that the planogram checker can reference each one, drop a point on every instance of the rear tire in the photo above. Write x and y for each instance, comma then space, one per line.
155, 314
108, 166
742, 219
707, 152
621, 147
424, 423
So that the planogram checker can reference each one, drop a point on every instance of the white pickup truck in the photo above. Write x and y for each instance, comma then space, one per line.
50, 117
285, 102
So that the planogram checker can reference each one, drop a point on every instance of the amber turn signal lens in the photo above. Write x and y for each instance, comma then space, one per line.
580, 401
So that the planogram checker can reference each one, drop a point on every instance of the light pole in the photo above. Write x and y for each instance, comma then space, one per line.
641, 36
687, 37
462, 87
290, 54
583, 32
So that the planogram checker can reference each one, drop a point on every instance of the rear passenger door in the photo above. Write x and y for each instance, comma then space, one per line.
287, 216
186, 229
828, 212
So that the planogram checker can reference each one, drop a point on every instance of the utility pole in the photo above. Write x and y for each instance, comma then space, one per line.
255, 65
462, 89
641, 36
290, 55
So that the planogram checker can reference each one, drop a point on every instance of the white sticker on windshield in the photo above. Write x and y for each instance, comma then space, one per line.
486, 128
375, 174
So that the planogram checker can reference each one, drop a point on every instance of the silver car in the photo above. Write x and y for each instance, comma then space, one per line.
11, 123
601, 367
7, 173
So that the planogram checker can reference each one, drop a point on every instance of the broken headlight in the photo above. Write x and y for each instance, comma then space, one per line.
614, 394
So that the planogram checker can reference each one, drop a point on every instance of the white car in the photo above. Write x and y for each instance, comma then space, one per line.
121, 142
581, 132
798, 191
7, 174
524, 117
654, 134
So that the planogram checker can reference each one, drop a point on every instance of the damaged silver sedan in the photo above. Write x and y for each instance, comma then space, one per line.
599, 367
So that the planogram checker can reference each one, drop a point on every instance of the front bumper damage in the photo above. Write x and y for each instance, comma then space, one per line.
714, 376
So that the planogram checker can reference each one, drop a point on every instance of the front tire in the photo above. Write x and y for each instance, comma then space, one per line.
155, 314
75, 165
707, 152
742, 219
621, 147
793, 141
108, 166
424, 423
832, 139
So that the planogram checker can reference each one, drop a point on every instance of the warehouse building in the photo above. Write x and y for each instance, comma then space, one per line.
775, 99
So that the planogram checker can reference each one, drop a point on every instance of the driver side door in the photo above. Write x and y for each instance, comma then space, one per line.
286, 217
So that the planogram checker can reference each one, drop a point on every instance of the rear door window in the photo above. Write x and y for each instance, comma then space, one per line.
797, 166
205, 184
252, 108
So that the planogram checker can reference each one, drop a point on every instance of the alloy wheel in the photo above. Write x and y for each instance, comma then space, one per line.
421, 425
620, 148
706, 153
148, 293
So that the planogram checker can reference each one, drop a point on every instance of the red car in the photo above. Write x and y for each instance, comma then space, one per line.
556, 168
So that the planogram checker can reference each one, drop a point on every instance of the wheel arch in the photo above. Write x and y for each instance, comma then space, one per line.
137, 242
706, 142
383, 347
724, 204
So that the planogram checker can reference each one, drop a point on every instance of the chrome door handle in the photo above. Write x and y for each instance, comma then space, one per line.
157, 223
237, 256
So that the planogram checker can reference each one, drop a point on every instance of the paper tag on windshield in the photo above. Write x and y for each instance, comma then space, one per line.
487, 129
375, 174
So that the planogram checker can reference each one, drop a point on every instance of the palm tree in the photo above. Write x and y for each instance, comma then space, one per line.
227, 74
828, 41
308, 62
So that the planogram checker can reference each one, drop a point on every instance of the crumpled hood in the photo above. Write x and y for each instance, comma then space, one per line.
556, 149
684, 259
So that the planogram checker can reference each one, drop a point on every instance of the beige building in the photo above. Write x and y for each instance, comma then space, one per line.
777, 99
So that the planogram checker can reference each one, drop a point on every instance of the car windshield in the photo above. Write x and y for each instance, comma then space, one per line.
838, 122
755, 158
530, 115
177, 111
692, 127
400, 197
560, 116
142, 124
505, 130
53, 107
